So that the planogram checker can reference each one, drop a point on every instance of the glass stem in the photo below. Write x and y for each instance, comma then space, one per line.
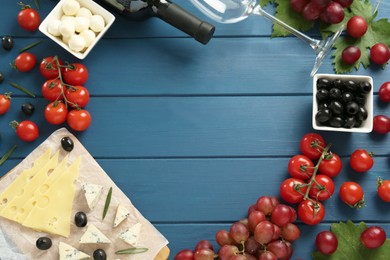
315, 44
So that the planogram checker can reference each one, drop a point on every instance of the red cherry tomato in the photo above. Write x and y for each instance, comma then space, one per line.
311, 213
5, 103
28, 18
292, 190
79, 119
77, 96
301, 167
323, 187
56, 113
352, 194
25, 61
312, 145
331, 165
52, 90
75, 74
49, 67
26, 130
384, 190
361, 160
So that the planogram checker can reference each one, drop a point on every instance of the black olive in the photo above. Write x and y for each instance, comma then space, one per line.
336, 107
67, 143
360, 99
322, 95
349, 122
323, 115
99, 254
352, 108
336, 121
2, 77
351, 86
323, 83
28, 108
365, 87
338, 83
323, 106
8, 42
335, 93
362, 114
80, 219
43, 243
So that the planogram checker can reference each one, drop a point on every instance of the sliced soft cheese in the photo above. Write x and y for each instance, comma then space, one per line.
68, 252
25, 192
121, 214
94, 236
53, 209
17, 185
92, 193
131, 235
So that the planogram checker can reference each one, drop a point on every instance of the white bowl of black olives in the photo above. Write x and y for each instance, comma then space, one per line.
342, 103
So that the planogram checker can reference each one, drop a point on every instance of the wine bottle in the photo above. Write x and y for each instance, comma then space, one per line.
167, 11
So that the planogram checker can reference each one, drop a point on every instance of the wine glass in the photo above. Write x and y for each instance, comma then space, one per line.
233, 11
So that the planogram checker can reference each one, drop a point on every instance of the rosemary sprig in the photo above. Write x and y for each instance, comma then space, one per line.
107, 204
30, 46
7, 155
133, 250
17, 86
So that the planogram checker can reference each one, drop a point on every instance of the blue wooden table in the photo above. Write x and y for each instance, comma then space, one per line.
194, 134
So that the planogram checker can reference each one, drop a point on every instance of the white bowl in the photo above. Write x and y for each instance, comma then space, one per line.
366, 126
57, 13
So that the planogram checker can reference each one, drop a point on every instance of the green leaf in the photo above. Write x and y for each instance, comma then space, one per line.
266, 2
350, 247
285, 13
107, 203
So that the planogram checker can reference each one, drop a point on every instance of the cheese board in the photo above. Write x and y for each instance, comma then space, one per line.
44, 196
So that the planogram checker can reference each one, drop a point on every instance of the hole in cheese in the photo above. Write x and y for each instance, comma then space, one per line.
44, 188
4, 201
43, 202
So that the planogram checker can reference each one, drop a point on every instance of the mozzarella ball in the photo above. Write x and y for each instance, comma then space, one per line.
97, 23
81, 24
67, 17
66, 39
53, 27
70, 7
76, 43
89, 36
84, 12
67, 28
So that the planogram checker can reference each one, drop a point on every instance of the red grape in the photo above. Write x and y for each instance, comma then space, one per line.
227, 251
373, 237
279, 248
350, 55
380, 53
252, 246
204, 244
326, 242
357, 26
311, 12
298, 5
381, 124
266, 204
267, 255
321, 3
255, 218
333, 12
281, 215
223, 238
239, 232
185, 254
290, 232
384, 92
204, 254
264, 232
344, 3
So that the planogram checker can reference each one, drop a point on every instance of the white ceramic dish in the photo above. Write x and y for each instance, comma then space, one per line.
366, 126
57, 13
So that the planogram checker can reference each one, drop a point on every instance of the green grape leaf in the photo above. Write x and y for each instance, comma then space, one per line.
349, 245
266, 2
286, 14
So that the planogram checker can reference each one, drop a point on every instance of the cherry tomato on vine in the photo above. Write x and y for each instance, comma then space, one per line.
49, 67
56, 113
361, 160
26, 130
323, 187
5, 103
25, 61
52, 90
75, 74
311, 213
331, 165
79, 119
301, 167
292, 190
312, 145
383, 189
352, 194
357, 26
77, 96
28, 18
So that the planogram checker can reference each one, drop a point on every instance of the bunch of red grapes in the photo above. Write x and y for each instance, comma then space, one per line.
328, 11
266, 233
309, 184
